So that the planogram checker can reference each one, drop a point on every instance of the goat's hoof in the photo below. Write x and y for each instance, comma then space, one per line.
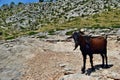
102, 66
83, 70
106, 66
93, 69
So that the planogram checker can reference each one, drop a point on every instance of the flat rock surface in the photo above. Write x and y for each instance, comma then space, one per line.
34, 59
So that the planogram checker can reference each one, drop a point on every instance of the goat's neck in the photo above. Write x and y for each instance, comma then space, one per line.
82, 41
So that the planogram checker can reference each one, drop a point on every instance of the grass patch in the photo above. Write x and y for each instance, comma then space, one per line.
32, 32
70, 32
42, 37
9, 37
101, 20
51, 32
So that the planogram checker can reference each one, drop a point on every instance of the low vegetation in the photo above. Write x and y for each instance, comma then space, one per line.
102, 20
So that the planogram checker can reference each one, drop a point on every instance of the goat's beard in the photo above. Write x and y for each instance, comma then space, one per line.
76, 45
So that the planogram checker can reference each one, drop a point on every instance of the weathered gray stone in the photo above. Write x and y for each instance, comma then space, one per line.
76, 76
118, 32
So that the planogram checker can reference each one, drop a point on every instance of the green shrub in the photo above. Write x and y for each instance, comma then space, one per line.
51, 32
70, 32
9, 37
42, 37
32, 33
1, 33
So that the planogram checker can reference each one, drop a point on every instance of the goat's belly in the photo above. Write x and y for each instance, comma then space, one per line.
97, 51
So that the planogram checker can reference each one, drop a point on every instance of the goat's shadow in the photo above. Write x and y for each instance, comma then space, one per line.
97, 67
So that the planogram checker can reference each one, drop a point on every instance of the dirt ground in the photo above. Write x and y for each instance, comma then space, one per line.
56, 60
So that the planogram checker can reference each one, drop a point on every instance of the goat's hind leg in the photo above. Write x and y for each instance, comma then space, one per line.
102, 60
105, 56
106, 60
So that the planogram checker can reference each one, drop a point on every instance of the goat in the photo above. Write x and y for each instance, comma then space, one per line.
89, 46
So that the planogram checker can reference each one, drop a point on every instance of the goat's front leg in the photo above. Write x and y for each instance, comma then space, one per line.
84, 63
91, 61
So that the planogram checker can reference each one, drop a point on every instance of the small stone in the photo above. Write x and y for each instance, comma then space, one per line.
62, 65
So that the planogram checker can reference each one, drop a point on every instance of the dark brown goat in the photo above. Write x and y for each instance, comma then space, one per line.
89, 46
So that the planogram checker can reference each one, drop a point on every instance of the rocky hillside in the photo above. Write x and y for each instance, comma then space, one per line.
36, 15
48, 55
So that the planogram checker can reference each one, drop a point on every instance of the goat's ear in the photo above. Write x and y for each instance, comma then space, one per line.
69, 37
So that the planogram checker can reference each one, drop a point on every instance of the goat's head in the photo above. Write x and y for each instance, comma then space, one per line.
76, 38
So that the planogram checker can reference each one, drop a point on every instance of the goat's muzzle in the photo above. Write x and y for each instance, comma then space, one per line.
76, 45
